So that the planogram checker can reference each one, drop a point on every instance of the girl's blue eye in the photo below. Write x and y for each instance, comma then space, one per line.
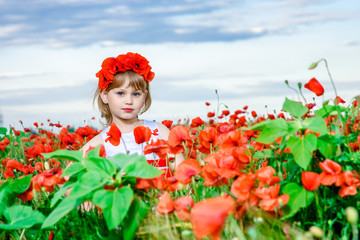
136, 94
120, 93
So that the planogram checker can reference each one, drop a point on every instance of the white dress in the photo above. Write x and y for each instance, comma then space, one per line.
127, 142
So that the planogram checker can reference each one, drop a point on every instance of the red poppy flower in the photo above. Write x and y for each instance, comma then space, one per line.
182, 206
273, 204
186, 169
349, 184
106, 74
338, 100
142, 134
196, 122
241, 187
166, 204
167, 123
232, 139
159, 147
265, 175
4, 143
207, 139
254, 114
224, 162
114, 135
311, 105
209, 216
211, 114
331, 173
177, 136
212, 178
207, 104
314, 86
225, 112
310, 180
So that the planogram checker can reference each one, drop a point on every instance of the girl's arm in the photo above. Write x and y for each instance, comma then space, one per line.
164, 132
94, 142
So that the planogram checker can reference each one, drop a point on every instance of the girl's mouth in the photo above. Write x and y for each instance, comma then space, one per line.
128, 110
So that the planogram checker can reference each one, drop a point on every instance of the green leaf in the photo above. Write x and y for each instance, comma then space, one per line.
299, 198
326, 145
94, 153
73, 169
140, 168
302, 148
271, 130
58, 195
267, 153
65, 154
327, 110
100, 164
135, 215
3, 130
115, 204
19, 217
121, 160
87, 183
315, 124
11, 189
295, 109
61, 210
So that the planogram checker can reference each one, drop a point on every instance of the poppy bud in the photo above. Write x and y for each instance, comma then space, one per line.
352, 216
316, 231
313, 65
47, 166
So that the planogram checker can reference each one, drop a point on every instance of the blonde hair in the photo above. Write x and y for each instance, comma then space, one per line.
135, 80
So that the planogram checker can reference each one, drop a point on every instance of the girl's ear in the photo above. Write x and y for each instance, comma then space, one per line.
104, 97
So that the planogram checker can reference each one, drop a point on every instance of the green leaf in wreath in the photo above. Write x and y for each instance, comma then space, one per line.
115, 204
299, 198
295, 109
75, 156
19, 217
302, 148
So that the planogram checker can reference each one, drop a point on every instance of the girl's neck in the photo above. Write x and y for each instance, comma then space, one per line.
127, 125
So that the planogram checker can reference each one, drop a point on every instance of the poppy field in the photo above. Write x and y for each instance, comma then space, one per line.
291, 175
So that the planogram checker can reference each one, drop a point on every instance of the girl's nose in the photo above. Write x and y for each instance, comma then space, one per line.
129, 99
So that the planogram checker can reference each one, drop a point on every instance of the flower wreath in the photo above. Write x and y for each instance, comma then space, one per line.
122, 63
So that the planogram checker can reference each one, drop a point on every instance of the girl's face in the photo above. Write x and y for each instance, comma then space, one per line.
124, 102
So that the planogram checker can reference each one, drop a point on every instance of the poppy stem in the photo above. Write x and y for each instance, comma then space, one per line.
287, 84
331, 79
218, 105
318, 207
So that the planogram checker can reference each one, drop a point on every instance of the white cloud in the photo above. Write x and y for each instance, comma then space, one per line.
8, 30
20, 74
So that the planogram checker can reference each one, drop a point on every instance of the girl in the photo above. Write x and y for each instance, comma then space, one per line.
123, 93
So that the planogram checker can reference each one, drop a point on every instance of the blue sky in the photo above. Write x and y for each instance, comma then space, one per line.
51, 50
